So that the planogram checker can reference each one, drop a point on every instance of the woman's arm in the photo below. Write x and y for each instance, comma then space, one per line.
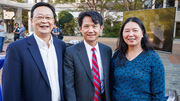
157, 79
22, 30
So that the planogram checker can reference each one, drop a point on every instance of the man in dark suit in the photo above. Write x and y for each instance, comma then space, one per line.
33, 66
87, 64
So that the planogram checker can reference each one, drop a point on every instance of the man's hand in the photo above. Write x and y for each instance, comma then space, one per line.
52, 32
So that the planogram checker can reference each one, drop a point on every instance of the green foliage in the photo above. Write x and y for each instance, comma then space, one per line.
25, 17
111, 31
67, 22
69, 28
21, 1
64, 17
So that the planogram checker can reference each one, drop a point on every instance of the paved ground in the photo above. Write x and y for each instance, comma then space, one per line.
171, 61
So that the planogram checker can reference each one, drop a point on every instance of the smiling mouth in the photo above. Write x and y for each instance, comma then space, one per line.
131, 39
44, 26
91, 34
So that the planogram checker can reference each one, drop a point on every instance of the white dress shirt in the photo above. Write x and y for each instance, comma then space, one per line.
51, 65
98, 55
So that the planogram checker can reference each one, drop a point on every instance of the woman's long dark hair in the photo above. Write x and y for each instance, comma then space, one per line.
122, 47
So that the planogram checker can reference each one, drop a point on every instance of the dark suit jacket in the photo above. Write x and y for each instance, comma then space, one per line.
24, 76
78, 79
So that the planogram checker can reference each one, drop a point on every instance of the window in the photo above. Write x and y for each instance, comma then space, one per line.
170, 3
177, 30
147, 4
159, 4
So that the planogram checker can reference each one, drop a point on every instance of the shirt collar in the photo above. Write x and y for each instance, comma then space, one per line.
40, 42
89, 47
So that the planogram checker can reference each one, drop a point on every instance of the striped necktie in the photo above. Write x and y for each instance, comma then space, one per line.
96, 77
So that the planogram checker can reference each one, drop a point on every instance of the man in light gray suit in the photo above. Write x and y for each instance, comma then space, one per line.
87, 64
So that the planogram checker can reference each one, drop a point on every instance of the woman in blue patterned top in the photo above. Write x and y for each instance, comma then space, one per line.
137, 72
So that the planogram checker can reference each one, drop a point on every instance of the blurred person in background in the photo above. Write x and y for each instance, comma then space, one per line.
2, 35
56, 32
16, 30
22, 32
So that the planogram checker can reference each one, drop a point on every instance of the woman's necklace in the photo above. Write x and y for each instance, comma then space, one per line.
128, 57
133, 56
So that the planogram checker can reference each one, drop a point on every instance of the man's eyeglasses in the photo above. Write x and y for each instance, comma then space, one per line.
42, 17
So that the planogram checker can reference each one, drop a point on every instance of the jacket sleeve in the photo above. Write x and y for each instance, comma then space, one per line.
69, 90
11, 76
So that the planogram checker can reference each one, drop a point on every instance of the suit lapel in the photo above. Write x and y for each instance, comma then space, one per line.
59, 51
84, 60
59, 54
34, 50
103, 59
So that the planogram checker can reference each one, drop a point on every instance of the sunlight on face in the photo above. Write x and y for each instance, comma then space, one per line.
43, 20
132, 34
90, 30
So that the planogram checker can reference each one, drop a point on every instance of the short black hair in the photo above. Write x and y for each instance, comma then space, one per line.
1, 21
43, 4
95, 16
16, 23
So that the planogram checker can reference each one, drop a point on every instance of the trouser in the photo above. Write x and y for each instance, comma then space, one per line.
15, 38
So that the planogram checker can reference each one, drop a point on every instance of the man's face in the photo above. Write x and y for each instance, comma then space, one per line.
90, 30
42, 21
17, 25
2, 23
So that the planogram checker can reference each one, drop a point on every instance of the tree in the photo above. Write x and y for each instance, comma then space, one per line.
96, 5
106, 6
69, 28
64, 17
111, 31
21, 1
67, 22
129, 5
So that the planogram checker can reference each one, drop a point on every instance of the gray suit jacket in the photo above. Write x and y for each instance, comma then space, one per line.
78, 79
